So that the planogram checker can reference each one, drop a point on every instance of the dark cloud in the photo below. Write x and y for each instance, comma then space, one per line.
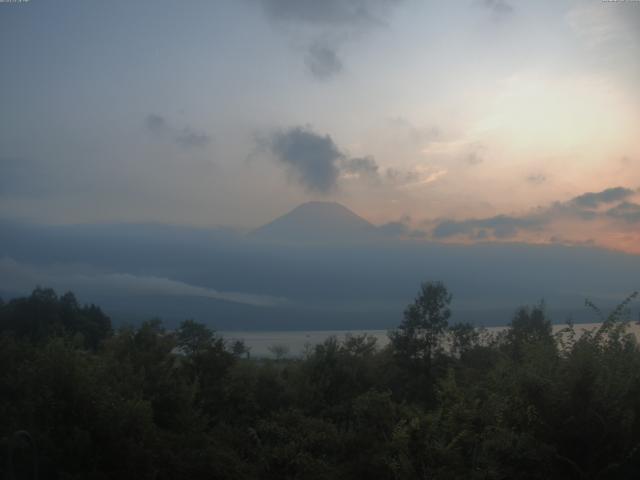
626, 211
316, 162
583, 207
500, 226
401, 228
610, 195
312, 158
329, 12
189, 138
156, 123
417, 234
185, 137
394, 229
481, 235
324, 25
498, 7
366, 168
560, 240
323, 61
360, 166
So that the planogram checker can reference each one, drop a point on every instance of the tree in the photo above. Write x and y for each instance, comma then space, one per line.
194, 338
43, 314
240, 349
529, 327
279, 351
206, 362
425, 321
464, 337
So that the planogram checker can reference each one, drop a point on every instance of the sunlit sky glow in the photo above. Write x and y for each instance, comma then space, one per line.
433, 114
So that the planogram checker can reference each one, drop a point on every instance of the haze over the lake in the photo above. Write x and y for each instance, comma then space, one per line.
434, 122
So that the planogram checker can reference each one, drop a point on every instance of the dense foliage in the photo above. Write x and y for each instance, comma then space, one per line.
439, 401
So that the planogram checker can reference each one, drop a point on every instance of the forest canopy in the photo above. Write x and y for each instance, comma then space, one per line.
81, 399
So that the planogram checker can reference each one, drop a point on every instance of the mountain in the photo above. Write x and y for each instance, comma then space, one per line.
317, 222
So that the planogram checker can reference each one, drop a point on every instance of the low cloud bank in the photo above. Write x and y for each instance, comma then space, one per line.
21, 278
611, 204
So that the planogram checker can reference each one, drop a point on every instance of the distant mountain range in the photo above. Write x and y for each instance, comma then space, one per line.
318, 267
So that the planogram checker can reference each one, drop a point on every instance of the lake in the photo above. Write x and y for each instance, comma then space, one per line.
297, 341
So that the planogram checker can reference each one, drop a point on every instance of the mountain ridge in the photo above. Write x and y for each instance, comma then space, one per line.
316, 221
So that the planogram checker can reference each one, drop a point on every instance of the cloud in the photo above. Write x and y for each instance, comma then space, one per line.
401, 228
318, 164
583, 208
156, 123
189, 138
560, 240
498, 7
595, 199
360, 167
329, 12
324, 25
323, 61
417, 176
500, 226
366, 168
394, 229
402, 177
185, 137
17, 276
311, 158
626, 211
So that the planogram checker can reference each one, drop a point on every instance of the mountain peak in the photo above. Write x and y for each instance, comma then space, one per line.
316, 222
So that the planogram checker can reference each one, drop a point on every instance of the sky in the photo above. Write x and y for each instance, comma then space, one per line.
468, 121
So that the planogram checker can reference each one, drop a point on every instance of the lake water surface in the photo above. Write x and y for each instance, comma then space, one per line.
297, 341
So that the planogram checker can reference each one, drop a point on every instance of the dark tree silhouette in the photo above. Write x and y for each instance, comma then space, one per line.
436, 402
425, 321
